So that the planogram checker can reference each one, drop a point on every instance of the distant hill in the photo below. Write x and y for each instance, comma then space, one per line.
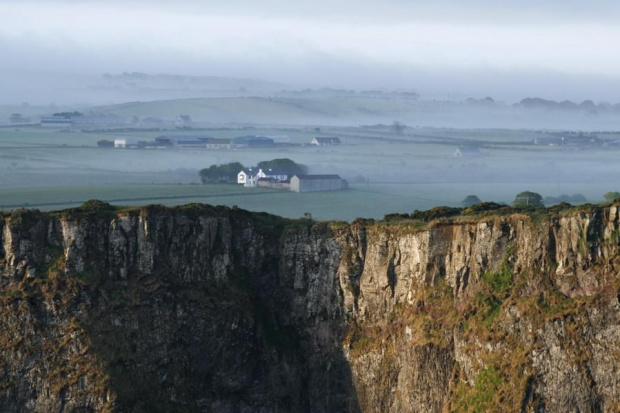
333, 107
280, 110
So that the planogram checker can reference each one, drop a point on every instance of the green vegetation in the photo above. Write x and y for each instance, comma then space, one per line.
220, 174
482, 397
528, 199
227, 173
35, 163
485, 306
500, 282
284, 164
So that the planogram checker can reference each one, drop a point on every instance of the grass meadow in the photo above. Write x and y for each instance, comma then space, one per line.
387, 172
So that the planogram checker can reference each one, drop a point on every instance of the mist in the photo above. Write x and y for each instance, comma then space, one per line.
556, 50
532, 88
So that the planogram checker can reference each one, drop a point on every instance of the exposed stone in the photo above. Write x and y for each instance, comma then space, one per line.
213, 309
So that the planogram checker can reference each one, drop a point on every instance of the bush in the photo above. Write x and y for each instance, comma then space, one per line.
435, 213
284, 164
483, 207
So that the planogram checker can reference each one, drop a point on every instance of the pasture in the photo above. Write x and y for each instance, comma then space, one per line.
387, 172
361, 200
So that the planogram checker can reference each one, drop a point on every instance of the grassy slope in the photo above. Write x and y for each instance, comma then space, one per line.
265, 110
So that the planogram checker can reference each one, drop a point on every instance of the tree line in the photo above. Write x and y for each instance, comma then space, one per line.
227, 173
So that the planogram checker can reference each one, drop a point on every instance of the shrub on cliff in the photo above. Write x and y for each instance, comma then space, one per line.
435, 213
484, 207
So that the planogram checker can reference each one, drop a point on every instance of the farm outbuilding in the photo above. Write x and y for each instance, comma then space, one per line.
317, 183
326, 141
125, 143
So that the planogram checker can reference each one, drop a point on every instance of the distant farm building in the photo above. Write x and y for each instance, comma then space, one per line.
246, 176
326, 141
125, 143
317, 183
215, 143
56, 122
273, 174
251, 142
466, 152
250, 176
191, 142
280, 139
82, 121
274, 183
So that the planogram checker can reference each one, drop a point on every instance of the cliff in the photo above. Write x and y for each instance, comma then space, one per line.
199, 308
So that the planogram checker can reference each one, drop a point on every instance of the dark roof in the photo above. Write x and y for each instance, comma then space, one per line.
185, 141
177, 138
249, 140
218, 140
309, 177
275, 172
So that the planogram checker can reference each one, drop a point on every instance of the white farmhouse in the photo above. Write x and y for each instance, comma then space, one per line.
244, 175
251, 182
272, 173
124, 143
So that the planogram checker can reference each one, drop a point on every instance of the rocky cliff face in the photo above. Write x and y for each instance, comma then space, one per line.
212, 309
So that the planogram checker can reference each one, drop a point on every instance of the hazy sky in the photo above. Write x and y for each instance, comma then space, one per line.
511, 49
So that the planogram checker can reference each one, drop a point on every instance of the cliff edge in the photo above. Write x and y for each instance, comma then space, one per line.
199, 308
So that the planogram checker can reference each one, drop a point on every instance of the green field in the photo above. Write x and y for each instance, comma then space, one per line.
399, 173
362, 200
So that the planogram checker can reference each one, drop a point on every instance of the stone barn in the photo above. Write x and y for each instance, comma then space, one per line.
316, 183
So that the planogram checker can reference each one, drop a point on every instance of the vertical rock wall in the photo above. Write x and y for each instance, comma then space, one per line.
215, 309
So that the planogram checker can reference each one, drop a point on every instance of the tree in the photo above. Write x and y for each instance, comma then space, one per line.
104, 143
470, 200
398, 127
527, 198
284, 164
219, 174
612, 196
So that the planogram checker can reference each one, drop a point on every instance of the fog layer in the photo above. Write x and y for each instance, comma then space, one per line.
558, 50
